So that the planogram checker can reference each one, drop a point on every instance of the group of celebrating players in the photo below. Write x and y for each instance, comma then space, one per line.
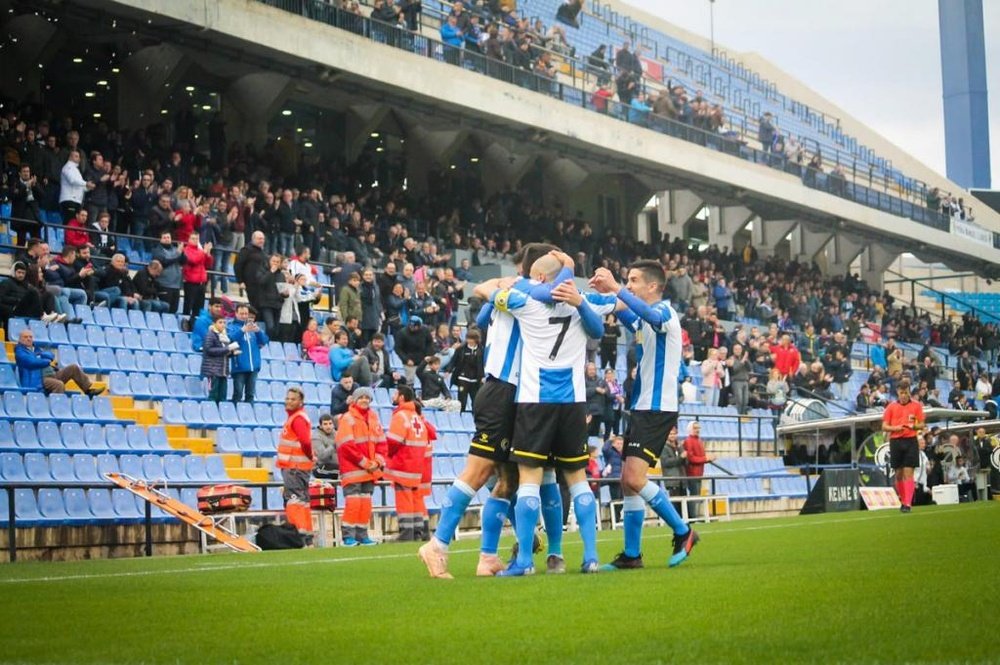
530, 415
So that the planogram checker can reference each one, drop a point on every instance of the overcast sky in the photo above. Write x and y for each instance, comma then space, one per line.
879, 60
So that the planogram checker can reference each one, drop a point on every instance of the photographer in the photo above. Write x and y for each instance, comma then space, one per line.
214, 356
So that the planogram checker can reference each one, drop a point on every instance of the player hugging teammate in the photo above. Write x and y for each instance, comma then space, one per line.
532, 413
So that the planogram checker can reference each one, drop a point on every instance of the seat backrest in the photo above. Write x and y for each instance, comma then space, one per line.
38, 405
225, 440
125, 360
195, 468
7, 377
6, 434
107, 463
172, 411
103, 409
85, 468
61, 467
215, 468
124, 504
100, 504
76, 504
113, 337
176, 385
15, 404
26, 506
12, 467
24, 434
157, 435
131, 465
36, 467
115, 436
152, 467
264, 439
136, 437
173, 467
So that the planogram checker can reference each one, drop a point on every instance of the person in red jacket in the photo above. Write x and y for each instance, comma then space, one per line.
198, 261
186, 220
295, 460
786, 357
361, 452
696, 461
74, 237
407, 446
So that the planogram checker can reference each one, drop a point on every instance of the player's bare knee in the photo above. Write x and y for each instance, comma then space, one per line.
477, 471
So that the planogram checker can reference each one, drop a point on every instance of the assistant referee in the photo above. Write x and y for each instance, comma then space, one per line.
902, 420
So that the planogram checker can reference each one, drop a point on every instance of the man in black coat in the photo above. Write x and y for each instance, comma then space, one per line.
413, 344
250, 264
25, 198
467, 369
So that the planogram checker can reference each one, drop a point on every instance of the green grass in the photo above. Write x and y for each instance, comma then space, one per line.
854, 587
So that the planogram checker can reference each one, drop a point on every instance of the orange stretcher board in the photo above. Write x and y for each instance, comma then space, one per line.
204, 523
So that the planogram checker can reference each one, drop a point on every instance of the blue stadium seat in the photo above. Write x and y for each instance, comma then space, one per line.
275, 501
60, 406
293, 372
85, 468
160, 361
41, 331
114, 338
195, 468
157, 435
245, 414
156, 386
189, 496
12, 468
131, 465
170, 323
49, 436
278, 414
82, 408
49, 509
182, 342
107, 360
178, 364
263, 413
103, 410
265, 440
85, 314
152, 467
196, 387
95, 336
57, 334
173, 468
194, 365
88, 359
38, 406
165, 341
154, 321
115, 436
210, 414
15, 405
172, 411
136, 437
176, 386
77, 507
6, 435
107, 463
102, 317
225, 440
136, 319
36, 467
131, 338
123, 503
119, 384
139, 386
25, 435
8, 380
100, 504
126, 360
93, 436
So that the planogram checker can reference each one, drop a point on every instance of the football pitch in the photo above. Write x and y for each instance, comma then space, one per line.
849, 587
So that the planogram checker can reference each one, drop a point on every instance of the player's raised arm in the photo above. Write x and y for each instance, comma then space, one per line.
568, 293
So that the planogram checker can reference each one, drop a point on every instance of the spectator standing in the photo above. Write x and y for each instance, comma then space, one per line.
349, 300
712, 372
72, 186
612, 453
673, 461
205, 319
251, 263
214, 359
371, 306
25, 198
739, 375
467, 369
171, 257
696, 459
609, 342
596, 395
246, 364
36, 371
197, 263
271, 292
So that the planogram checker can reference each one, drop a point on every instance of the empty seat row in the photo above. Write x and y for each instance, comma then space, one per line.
72, 435
58, 407
105, 360
79, 507
209, 415
81, 467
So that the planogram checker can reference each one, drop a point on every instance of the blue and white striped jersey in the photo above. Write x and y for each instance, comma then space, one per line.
658, 354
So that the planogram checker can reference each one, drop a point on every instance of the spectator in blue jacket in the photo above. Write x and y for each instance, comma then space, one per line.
35, 369
343, 361
245, 365
204, 321
452, 36
723, 296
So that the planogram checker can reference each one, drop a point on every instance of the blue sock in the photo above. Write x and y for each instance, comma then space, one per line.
633, 515
552, 512
512, 513
658, 500
528, 507
586, 517
494, 514
452, 509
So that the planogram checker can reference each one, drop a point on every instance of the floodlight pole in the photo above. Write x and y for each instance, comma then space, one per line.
711, 24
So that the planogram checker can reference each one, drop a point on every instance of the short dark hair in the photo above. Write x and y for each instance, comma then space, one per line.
325, 417
473, 334
329, 320
214, 301
530, 253
652, 271
378, 336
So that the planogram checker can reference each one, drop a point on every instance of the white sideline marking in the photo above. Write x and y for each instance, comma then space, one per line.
408, 555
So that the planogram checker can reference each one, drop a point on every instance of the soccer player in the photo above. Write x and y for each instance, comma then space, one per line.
902, 420
653, 406
493, 411
550, 427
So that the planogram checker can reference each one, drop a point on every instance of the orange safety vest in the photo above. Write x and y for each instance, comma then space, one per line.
408, 445
290, 455
360, 440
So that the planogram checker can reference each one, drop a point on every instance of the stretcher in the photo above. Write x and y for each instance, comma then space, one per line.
208, 525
